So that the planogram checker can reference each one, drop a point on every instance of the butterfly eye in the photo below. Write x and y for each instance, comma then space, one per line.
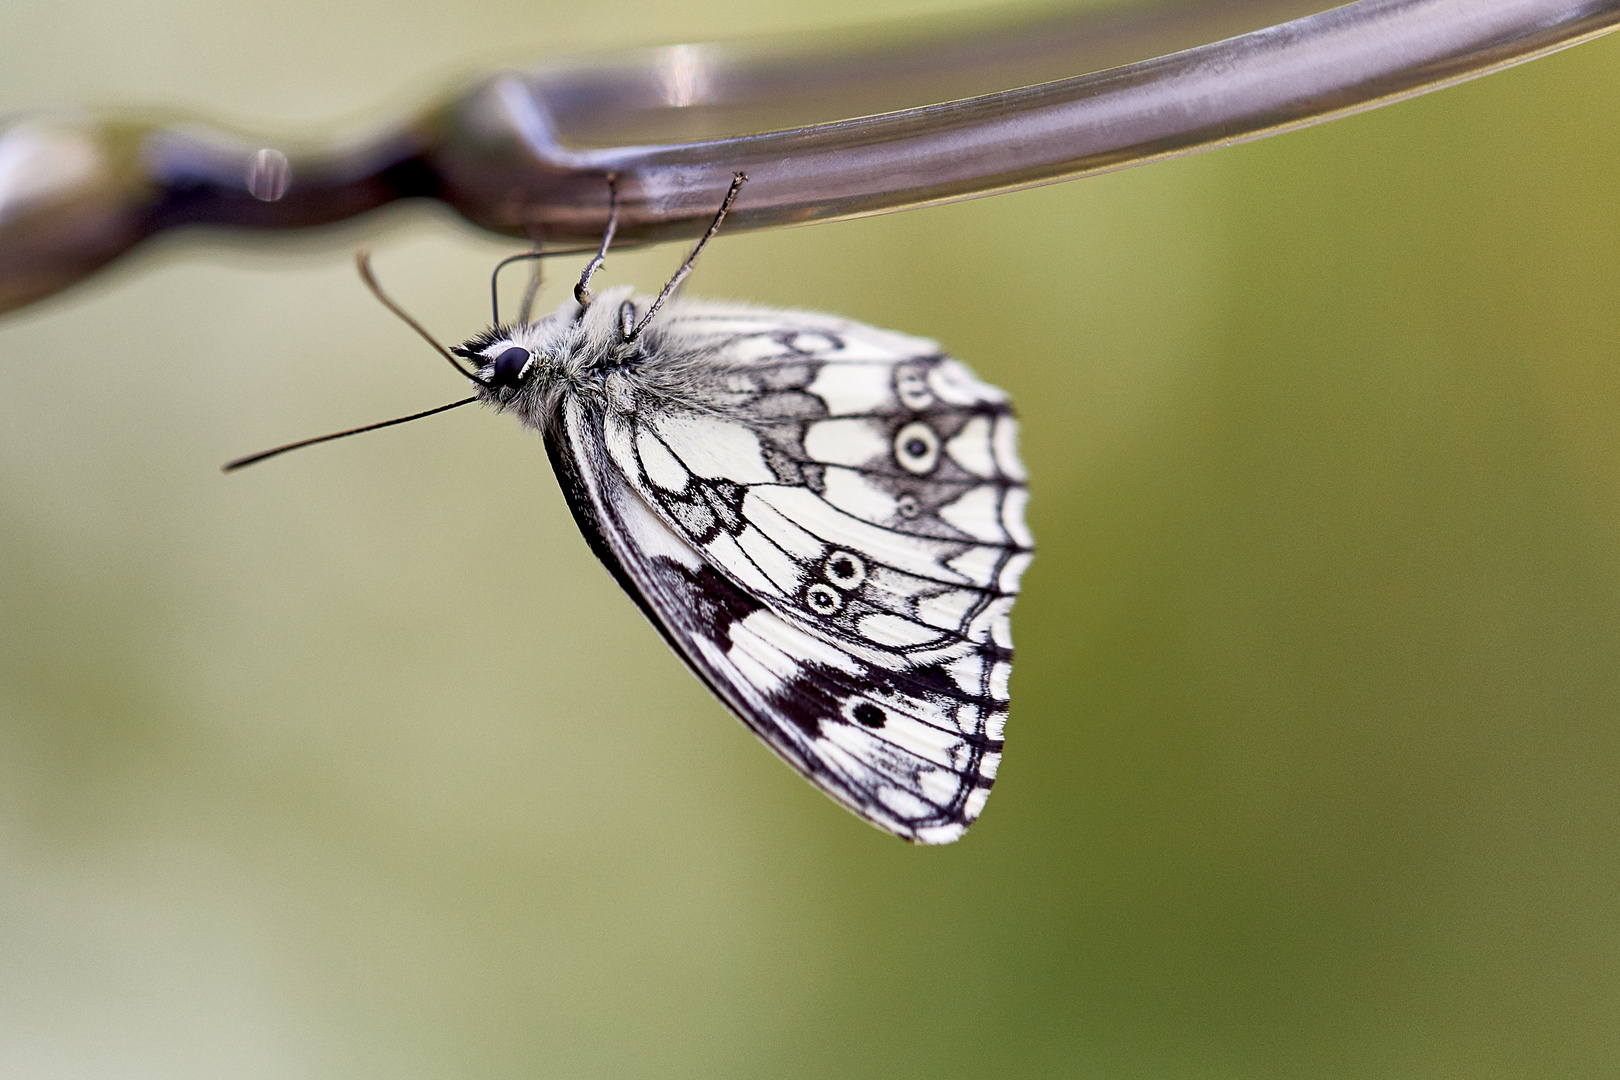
509, 367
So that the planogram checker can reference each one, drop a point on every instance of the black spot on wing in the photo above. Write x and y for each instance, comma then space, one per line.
704, 508
726, 498
713, 602
869, 714
717, 603
809, 699
934, 682
821, 695
789, 469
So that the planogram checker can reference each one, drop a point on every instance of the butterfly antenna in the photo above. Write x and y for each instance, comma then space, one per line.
582, 291
232, 466
528, 294
362, 262
737, 181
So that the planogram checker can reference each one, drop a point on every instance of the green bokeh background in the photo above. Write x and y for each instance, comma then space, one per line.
357, 765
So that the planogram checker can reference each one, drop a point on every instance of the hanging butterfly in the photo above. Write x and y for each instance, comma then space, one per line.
823, 519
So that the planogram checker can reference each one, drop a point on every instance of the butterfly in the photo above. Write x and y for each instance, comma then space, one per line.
824, 520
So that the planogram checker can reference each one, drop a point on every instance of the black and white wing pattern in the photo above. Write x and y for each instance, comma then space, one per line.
826, 521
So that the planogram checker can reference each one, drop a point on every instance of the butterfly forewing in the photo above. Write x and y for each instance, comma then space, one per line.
826, 521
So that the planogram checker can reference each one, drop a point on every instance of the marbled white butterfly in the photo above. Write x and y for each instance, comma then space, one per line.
824, 520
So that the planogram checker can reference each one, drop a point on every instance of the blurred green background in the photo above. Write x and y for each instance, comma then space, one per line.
357, 765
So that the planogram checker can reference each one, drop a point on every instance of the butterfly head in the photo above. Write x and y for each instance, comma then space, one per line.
509, 374
525, 369
498, 361
511, 367
503, 365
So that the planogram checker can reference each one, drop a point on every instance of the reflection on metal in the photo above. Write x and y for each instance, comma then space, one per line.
268, 175
526, 153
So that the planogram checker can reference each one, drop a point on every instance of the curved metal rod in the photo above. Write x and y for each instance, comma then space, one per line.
527, 153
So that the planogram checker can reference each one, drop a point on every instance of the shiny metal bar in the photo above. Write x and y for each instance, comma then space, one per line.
526, 153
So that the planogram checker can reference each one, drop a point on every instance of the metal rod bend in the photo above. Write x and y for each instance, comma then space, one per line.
844, 127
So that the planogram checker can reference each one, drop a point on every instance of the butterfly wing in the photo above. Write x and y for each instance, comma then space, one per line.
825, 520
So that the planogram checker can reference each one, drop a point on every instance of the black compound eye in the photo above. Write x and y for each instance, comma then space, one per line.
509, 367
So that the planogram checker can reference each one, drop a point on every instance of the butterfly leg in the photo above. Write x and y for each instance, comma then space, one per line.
582, 291
536, 276
737, 181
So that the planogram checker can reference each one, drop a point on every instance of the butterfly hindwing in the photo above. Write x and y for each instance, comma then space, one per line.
748, 656
826, 521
